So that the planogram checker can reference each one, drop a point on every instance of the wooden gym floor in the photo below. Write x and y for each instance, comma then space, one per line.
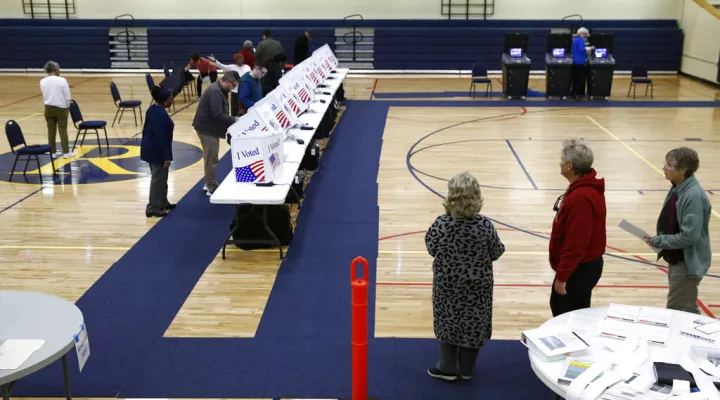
61, 238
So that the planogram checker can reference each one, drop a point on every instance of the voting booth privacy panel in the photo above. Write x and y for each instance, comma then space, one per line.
258, 136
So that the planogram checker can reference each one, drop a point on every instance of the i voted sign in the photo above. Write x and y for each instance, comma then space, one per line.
82, 346
251, 124
257, 159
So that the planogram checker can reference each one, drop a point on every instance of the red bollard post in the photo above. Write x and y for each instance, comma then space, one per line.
359, 329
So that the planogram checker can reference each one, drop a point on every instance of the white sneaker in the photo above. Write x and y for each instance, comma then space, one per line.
205, 188
57, 154
69, 155
209, 193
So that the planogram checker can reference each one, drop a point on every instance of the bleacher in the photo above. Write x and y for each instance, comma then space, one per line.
175, 44
398, 44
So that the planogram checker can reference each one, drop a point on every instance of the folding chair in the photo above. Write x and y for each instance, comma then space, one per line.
84, 127
124, 105
16, 138
151, 84
480, 75
639, 75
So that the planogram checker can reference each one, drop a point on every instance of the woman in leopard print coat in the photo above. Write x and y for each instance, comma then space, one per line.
464, 245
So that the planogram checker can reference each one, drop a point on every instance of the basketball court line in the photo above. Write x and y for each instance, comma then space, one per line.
643, 159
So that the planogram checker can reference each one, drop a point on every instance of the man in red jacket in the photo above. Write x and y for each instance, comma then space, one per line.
578, 239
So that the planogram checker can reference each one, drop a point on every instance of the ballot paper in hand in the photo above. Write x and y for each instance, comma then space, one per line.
636, 231
14, 352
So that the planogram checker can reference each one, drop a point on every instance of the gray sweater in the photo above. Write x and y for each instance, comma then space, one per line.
212, 117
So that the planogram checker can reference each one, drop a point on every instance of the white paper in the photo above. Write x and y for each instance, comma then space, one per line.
709, 329
82, 346
586, 325
655, 316
618, 329
680, 387
635, 231
14, 352
703, 382
555, 341
623, 312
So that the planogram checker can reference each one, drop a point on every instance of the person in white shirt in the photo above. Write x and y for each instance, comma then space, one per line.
56, 95
241, 68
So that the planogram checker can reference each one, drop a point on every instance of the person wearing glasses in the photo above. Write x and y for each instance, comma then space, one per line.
683, 230
211, 123
577, 241
464, 244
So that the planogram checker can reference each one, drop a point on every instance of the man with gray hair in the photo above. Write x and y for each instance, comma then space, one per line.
211, 123
577, 241
683, 230
579, 54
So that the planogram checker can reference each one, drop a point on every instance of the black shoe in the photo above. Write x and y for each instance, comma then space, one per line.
156, 214
170, 206
436, 373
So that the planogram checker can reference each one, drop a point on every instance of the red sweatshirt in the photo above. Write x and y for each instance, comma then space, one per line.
578, 231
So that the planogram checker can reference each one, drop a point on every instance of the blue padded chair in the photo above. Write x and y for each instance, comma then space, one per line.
16, 138
639, 76
124, 105
84, 127
480, 76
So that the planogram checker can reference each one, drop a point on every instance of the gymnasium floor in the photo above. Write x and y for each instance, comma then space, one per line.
168, 285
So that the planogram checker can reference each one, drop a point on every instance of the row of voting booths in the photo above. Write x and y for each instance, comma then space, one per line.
258, 136
558, 65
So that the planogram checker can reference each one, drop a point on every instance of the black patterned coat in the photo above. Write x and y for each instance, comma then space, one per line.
464, 250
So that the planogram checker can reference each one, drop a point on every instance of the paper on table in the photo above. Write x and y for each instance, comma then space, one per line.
655, 316
635, 231
623, 312
709, 329
586, 325
14, 352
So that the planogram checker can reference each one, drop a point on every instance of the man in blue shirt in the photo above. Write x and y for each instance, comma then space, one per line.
579, 54
250, 91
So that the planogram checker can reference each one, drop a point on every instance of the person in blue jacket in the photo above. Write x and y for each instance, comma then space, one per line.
579, 55
250, 91
156, 150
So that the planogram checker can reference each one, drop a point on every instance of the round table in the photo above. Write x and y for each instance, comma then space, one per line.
32, 315
677, 345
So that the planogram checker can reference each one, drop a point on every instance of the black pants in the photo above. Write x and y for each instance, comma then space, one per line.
579, 288
158, 189
213, 78
579, 77
234, 99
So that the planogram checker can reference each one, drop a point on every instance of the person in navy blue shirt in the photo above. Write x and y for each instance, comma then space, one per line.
156, 150
250, 90
579, 54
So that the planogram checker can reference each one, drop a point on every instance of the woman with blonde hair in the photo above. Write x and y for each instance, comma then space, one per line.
464, 245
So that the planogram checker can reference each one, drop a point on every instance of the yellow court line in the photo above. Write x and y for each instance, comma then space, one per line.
28, 117
715, 213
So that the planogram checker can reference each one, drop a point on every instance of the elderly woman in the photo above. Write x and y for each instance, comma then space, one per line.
56, 96
248, 53
579, 55
578, 238
464, 245
241, 68
682, 230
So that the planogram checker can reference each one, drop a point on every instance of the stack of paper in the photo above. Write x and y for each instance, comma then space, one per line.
696, 332
573, 368
623, 312
654, 335
632, 388
655, 316
586, 325
14, 352
553, 344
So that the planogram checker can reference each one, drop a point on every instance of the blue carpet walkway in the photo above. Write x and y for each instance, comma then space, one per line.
302, 347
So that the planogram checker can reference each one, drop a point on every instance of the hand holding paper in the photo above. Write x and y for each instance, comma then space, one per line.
637, 232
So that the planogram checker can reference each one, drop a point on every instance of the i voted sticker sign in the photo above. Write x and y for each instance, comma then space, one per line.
82, 346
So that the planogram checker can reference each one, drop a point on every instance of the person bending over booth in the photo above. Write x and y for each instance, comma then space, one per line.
206, 68
239, 67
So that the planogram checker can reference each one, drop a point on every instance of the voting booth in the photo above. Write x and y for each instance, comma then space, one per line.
558, 65
515, 66
257, 149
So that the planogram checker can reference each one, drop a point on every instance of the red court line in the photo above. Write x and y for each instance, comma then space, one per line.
526, 285
699, 302
714, 305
